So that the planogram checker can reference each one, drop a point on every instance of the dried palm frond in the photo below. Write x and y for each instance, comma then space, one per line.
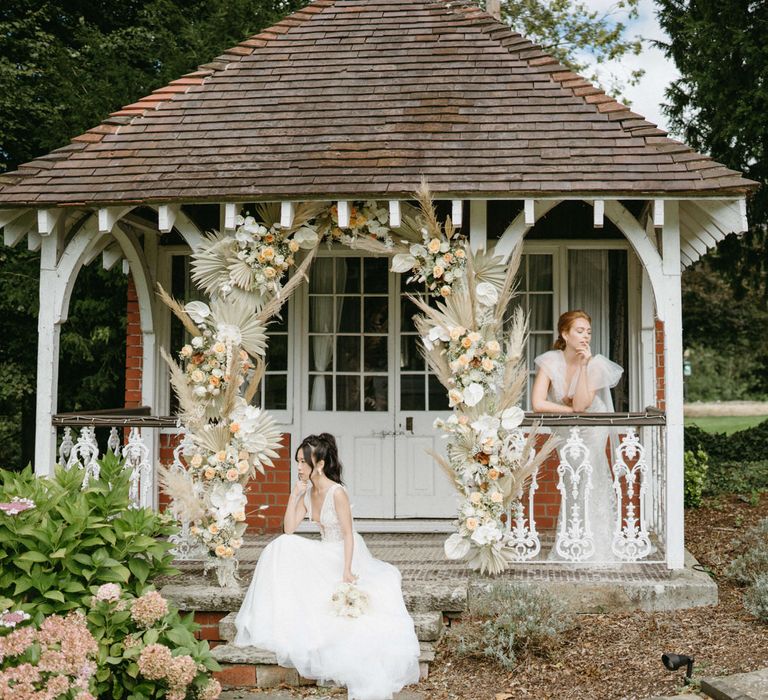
212, 437
489, 268
514, 484
178, 311
179, 487
275, 303
236, 312
268, 213
410, 224
240, 274
375, 246
211, 260
256, 377
192, 410
305, 212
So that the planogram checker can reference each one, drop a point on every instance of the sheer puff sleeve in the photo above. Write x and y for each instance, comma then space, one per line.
549, 363
603, 373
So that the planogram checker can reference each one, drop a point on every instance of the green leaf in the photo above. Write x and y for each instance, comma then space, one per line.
59, 553
32, 556
139, 568
54, 595
151, 636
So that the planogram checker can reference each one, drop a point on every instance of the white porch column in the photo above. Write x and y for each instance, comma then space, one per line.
478, 224
48, 331
673, 384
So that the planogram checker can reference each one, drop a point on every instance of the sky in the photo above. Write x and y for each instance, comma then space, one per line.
647, 96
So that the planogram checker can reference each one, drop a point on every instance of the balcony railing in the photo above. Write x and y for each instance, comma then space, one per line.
636, 455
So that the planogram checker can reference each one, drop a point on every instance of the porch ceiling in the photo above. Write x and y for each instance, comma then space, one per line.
361, 98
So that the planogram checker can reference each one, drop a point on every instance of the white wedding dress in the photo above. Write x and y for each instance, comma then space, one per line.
287, 610
601, 512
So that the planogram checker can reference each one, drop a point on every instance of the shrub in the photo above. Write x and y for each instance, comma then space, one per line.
513, 620
746, 445
74, 539
722, 376
753, 563
696, 468
736, 477
756, 598
54, 661
147, 650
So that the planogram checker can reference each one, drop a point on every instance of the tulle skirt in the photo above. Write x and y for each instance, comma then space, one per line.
287, 610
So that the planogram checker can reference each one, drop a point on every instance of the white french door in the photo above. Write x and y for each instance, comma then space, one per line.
365, 382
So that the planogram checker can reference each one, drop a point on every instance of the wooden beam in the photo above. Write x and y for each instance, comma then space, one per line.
230, 214
46, 220
478, 224
598, 213
286, 214
111, 256
126, 267
529, 211
343, 214
394, 213
658, 213
9, 215
17, 227
34, 240
457, 210
108, 217
166, 217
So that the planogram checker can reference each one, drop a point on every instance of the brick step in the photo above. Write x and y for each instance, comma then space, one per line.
429, 626
250, 667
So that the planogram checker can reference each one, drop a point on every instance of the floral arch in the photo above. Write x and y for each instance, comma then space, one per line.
473, 348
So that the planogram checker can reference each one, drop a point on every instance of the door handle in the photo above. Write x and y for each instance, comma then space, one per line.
409, 423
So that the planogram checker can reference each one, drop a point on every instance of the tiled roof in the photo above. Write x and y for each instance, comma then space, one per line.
358, 98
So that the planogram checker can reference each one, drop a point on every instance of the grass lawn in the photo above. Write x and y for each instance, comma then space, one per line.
725, 424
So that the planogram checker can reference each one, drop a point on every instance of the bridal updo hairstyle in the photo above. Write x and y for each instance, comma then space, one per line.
564, 324
322, 447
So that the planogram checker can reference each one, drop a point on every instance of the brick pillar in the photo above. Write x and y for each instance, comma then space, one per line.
659, 354
133, 349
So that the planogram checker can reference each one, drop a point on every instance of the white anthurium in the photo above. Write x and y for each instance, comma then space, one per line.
473, 394
436, 333
418, 250
403, 262
198, 311
227, 499
512, 417
243, 235
486, 534
486, 294
456, 546
486, 426
306, 237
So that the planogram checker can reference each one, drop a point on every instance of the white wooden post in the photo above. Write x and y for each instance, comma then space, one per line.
673, 385
48, 331
478, 224
394, 213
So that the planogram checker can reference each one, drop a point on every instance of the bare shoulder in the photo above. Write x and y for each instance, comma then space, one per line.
340, 496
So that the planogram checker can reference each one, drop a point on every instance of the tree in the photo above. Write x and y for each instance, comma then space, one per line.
718, 106
579, 37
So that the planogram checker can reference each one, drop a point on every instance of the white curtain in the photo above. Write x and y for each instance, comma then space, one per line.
322, 321
588, 290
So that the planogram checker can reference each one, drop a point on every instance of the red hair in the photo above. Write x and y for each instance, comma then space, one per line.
564, 324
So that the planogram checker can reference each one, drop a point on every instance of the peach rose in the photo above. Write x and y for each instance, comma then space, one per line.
210, 473
445, 291
234, 427
233, 475
196, 460
497, 497
471, 523
493, 474
213, 528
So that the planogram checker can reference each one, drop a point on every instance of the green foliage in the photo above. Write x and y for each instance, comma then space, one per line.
723, 376
718, 106
75, 539
121, 641
742, 446
580, 37
753, 561
513, 621
696, 469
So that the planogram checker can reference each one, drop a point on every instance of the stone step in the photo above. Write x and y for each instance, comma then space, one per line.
429, 626
419, 596
738, 686
253, 667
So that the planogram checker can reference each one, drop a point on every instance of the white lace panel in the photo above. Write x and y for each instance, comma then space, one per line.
330, 528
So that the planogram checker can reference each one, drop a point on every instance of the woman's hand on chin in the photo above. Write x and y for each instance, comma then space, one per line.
300, 487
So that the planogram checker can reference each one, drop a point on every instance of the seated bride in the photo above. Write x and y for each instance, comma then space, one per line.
327, 607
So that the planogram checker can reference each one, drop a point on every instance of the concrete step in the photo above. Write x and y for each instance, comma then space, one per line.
429, 626
739, 686
419, 596
257, 668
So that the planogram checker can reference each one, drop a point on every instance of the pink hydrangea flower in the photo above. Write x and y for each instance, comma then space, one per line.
210, 691
148, 609
108, 591
12, 618
17, 505
155, 662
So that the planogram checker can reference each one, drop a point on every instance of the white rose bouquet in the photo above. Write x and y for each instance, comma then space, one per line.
349, 601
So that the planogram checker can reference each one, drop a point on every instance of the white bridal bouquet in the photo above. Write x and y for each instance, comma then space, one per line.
349, 601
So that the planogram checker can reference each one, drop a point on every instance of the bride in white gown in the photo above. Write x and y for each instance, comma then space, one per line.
288, 609
571, 380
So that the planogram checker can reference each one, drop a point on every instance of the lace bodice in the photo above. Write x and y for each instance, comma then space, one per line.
330, 528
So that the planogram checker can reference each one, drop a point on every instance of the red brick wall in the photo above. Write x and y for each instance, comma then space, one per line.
133, 351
